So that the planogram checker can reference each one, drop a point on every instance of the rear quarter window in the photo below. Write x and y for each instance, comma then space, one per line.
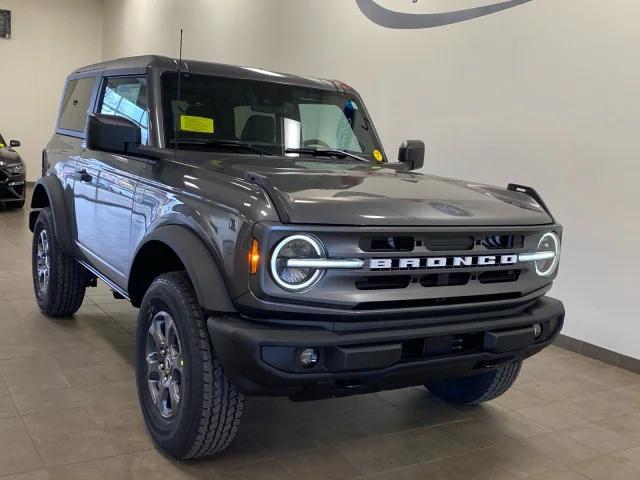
75, 104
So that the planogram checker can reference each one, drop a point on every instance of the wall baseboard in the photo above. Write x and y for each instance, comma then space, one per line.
598, 353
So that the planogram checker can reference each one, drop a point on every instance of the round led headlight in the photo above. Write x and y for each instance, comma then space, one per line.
296, 278
549, 252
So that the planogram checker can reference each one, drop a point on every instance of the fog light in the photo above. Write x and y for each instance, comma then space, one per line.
537, 330
308, 357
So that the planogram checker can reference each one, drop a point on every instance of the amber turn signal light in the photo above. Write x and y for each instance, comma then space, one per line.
254, 257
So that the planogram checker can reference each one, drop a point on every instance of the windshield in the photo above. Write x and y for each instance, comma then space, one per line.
245, 116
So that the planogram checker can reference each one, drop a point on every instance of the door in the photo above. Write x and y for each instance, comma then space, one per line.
84, 198
105, 183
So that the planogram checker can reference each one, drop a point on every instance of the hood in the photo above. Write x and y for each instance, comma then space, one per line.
9, 157
353, 194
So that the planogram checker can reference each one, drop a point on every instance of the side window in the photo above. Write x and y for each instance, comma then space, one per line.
127, 97
77, 97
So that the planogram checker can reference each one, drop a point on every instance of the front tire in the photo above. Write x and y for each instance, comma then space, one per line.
477, 388
59, 282
189, 404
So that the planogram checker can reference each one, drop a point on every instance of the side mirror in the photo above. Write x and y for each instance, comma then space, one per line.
411, 152
14, 143
111, 133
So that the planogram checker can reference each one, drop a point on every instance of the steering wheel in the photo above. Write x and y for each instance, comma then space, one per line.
316, 141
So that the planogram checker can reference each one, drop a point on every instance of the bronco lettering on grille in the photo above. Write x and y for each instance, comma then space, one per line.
417, 263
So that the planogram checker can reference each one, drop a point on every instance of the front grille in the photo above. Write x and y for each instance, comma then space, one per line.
450, 285
439, 242
442, 243
387, 244
383, 283
499, 277
493, 242
388, 282
423, 246
445, 279
405, 279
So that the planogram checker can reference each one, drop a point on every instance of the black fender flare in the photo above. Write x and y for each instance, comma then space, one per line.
55, 200
202, 268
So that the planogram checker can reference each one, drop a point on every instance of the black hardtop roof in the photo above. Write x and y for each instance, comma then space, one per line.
159, 62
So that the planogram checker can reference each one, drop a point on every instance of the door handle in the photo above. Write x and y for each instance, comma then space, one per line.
83, 176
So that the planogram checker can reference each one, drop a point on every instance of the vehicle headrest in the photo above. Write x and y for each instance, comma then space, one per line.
259, 128
199, 110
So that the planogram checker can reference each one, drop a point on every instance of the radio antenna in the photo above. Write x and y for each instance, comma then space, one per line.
175, 123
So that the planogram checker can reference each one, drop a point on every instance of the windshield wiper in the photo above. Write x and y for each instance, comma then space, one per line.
326, 152
221, 143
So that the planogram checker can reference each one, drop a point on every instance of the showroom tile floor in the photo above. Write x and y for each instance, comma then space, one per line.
68, 410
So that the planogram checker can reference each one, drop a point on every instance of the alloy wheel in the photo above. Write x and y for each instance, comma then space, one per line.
164, 364
43, 262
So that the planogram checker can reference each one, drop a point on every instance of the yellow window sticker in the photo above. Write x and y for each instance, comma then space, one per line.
190, 123
1, 145
377, 154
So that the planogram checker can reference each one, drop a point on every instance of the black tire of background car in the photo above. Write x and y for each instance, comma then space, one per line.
210, 408
67, 278
478, 388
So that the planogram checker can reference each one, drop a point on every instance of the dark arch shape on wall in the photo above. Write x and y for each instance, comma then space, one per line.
400, 20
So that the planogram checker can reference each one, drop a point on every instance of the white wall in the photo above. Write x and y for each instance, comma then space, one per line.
50, 38
544, 94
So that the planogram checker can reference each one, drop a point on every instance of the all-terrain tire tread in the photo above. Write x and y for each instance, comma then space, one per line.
505, 377
477, 389
222, 403
67, 280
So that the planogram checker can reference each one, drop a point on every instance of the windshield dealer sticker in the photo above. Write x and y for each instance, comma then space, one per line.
377, 154
190, 123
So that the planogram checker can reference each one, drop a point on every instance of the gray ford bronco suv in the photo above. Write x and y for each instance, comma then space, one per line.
272, 248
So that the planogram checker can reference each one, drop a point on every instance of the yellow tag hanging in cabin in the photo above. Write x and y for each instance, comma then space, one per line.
190, 123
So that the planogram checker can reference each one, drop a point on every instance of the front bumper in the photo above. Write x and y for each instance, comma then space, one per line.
263, 359
12, 187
